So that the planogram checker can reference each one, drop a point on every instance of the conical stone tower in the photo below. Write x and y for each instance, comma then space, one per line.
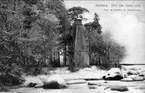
81, 58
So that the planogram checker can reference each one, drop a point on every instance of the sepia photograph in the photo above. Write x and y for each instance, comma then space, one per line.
72, 46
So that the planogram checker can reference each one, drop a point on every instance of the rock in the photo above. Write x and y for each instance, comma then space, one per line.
127, 79
105, 82
132, 72
70, 82
91, 83
142, 74
134, 78
32, 79
92, 87
53, 82
137, 78
119, 88
135, 68
52, 85
124, 73
117, 77
31, 84
113, 74
39, 86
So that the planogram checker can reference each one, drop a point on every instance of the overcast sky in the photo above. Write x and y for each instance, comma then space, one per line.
127, 27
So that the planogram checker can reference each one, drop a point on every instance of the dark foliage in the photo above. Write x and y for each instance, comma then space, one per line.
4, 89
27, 36
31, 2
76, 12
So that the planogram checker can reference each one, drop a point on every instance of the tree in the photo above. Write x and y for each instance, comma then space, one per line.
10, 53
114, 51
62, 15
105, 52
50, 18
92, 28
76, 12
28, 33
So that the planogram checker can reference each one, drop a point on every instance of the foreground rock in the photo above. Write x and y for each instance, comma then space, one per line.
31, 84
142, 74
53, 82
39, 86
136, 78
127, 74
113, 74
118, 88
134, 74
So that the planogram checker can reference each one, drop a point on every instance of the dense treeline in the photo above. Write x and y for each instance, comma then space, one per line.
103, 50
34, 32
28, 33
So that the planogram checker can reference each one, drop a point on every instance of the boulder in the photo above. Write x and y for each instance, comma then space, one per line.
39, 85
113, 74
127, 79
31, 81
31, 84
137, 78
119, 88
142, 74
117, 77
132, 72
54, 81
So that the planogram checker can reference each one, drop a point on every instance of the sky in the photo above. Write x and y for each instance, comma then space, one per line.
125, 20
